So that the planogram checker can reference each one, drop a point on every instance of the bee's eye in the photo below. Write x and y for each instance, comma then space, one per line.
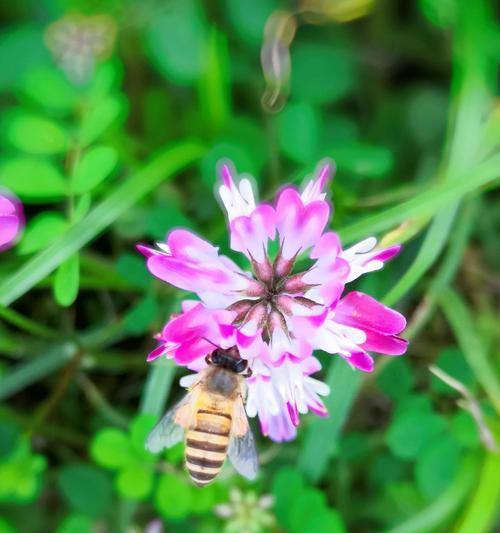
216, 358
241, 365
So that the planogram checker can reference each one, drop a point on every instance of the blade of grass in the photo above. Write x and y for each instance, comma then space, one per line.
445, 505
429, 251
26, 324
169, 161
425, 203
156, 390
462, 324
344, 383
481, 510
213, 88
41, 366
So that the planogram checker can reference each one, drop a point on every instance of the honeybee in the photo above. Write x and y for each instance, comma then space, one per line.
212, 419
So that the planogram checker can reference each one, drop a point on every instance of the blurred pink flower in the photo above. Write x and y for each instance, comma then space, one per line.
288, 306
11, 219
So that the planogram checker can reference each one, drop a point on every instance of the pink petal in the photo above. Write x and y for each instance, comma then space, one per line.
251, 233
154, 354
384, 344
299, 226
9, 228
360, 360
362, 311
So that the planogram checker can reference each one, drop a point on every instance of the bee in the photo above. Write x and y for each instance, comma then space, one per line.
212, 419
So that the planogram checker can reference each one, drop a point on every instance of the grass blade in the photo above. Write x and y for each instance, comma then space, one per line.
430, 249
322, 433
425, 203
41, 366
155, 393
483, 507
443, 507
169, 161
462, 324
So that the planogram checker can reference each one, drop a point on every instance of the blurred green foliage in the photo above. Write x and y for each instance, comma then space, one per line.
403, 97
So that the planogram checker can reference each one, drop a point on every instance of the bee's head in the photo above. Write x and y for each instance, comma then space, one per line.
229, 359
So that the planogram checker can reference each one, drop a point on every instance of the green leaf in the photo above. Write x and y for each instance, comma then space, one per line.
67, 281
34, 134
412, 430
321, 73
464, 429
86, 489
139, 431
182, 28
135, 481
76, 523
167, 163
21, 475
173, 497
138, 320
41, 230
288, 486
111, 448
95, 166
364, 160
49, 87
299, 126
33, 179
396, 379
436, 466
323, 433
99, 118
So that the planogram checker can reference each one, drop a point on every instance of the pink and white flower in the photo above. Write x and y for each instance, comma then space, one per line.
11, 219
288, 305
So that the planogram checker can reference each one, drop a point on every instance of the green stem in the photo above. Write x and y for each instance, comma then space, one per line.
26, 324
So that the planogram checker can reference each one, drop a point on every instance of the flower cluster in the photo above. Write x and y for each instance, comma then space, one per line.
11, 219
291, 303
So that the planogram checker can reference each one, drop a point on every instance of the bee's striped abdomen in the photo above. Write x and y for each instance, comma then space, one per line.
206, 445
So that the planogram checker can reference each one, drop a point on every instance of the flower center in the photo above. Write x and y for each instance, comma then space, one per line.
271, 297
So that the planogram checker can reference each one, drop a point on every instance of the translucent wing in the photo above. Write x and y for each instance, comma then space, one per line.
170, 429
242, 451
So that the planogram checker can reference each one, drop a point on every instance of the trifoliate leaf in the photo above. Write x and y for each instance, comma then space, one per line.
95, 166
34, 134
173, 497
112, 448
41, 230
33, 179
67, 281
135, 481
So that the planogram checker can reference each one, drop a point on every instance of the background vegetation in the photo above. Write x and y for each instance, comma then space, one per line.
118, 144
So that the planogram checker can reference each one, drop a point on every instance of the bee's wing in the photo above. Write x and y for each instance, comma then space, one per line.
170, 429
242, 451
